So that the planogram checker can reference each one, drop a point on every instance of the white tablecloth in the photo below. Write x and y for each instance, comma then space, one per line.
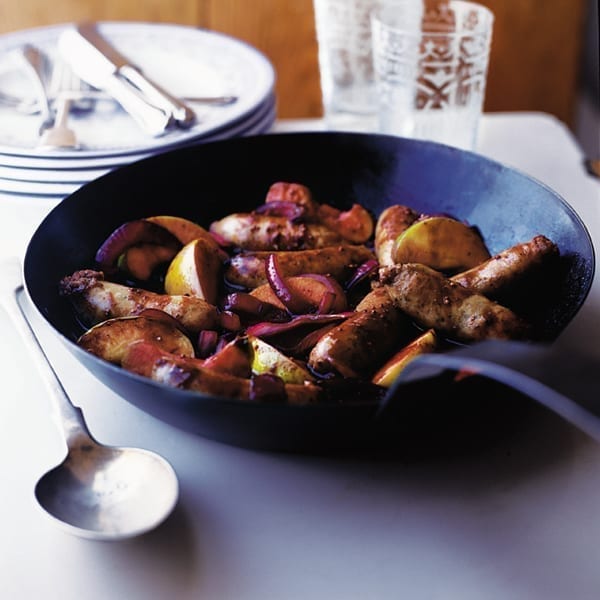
520, 521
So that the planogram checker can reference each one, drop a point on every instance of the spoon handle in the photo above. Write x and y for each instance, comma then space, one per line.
69, 417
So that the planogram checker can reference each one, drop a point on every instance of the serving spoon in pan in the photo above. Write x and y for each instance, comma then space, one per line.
98, 492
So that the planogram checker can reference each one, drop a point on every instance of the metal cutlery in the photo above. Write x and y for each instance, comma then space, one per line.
37, 64
98, 492
59, 136
95, 61
30, 105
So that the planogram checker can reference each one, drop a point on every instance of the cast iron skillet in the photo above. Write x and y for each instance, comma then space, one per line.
206, 182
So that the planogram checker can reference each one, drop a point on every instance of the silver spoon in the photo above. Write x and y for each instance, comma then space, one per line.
98, 492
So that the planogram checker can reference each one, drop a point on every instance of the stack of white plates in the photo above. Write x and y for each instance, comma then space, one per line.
186, 61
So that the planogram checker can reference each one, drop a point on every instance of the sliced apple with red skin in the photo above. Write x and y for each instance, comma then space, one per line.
183, 229
389, 372
110, 339
195, 271
133, 233
233, 359
141, 261
442, 243
355, 225
309, 289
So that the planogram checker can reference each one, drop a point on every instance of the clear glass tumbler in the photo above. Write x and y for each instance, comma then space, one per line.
431, 69
346, 63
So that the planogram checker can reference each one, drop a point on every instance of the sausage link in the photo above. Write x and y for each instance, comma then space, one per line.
436, 302
248, 269
266, 232
390, 224
363, 341
498, 274
96, 300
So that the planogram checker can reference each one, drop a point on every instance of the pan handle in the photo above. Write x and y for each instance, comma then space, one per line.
563, 381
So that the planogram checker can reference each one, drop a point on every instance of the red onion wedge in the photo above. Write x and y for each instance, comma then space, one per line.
207, 342
282, 208
230, 321
130, 234
362, 272
294, 303
247, 304
265, 329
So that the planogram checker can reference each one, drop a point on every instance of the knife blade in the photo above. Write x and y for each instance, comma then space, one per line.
98, 63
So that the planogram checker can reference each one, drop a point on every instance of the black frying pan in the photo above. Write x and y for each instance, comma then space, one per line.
205, 182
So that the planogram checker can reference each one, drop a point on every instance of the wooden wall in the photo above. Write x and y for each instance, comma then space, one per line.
535, 50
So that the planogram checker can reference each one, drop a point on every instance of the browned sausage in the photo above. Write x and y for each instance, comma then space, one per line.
96, 300
248, 269
266, 232
363, 341
497, 274
436, 302
390, 224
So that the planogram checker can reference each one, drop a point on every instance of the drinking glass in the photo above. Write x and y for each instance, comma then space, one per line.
346, 63
431, 69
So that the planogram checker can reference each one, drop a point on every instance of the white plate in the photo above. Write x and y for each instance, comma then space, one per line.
59, 161
71, 170
185, 60
61, 188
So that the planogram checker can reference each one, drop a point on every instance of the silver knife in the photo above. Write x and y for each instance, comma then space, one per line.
98, 63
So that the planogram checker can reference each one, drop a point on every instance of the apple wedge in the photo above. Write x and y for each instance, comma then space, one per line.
110, 339
310, 290
267, 359
387, 374
183, 229
130, 234
141, 261
194, 271
442, 243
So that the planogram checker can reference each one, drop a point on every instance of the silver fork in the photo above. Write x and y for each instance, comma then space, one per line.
37, 64
59, 135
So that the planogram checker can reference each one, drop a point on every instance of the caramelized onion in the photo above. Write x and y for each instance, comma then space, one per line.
282, 208
129, 234
230, 321
247, 304
362, 272
207, 342
266, 329
294, 303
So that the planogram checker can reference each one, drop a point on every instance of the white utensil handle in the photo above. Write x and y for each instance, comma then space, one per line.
151, 119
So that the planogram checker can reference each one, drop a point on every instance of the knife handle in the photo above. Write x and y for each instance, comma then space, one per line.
155, 94
151, 119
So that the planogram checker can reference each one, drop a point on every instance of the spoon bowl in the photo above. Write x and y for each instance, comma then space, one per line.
102, 492
98, 492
